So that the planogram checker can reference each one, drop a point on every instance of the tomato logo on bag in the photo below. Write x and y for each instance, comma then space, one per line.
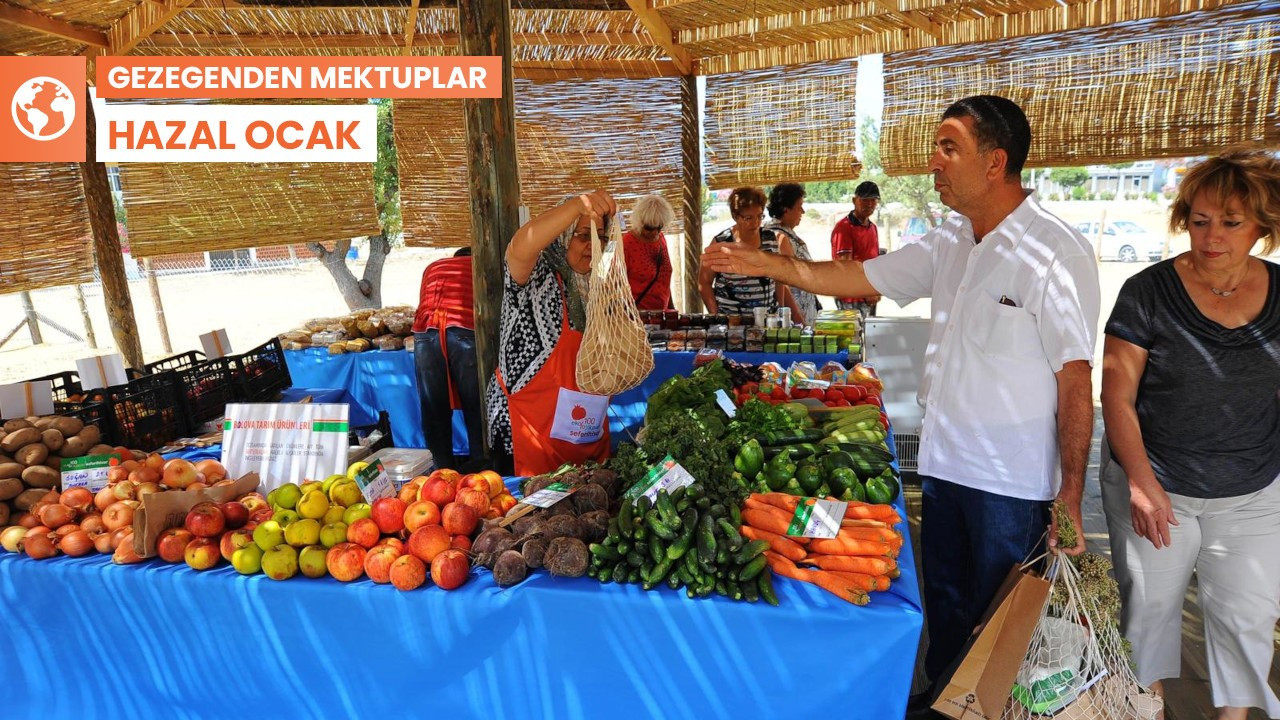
578, 412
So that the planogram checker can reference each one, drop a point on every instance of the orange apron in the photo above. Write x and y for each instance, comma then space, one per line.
552, 423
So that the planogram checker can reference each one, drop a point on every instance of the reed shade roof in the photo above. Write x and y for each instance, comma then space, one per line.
792, 124
200, 207
1164, 88
97, 15
572, 136
45, 239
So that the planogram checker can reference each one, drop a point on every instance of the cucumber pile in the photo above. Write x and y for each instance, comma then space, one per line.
685, 539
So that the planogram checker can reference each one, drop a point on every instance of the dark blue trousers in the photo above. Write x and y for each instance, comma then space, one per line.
969, 540
434, 374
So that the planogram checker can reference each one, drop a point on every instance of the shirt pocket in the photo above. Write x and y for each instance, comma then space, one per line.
1004, 330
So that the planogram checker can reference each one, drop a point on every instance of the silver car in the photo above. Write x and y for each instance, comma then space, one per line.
1125, 241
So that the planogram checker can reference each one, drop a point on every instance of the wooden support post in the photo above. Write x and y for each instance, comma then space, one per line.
33, 323
159, 305
106, 245
84, 315
493, 175
691, 198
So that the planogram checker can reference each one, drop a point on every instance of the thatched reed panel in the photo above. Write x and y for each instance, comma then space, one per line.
1165, 88
98, 14
621, 136
45, 238
794, 124
196, 207
16, 40
741, 35
431, 150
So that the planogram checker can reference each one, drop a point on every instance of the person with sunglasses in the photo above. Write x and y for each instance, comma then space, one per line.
537, 414
645, 248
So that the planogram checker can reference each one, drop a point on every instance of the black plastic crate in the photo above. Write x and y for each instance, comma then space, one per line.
147, 413
65, 385
91, 411
262, 372
177, 362
207, 387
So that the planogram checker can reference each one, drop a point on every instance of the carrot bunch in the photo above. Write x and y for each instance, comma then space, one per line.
860, 559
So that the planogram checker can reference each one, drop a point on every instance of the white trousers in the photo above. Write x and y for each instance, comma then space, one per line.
1233, 546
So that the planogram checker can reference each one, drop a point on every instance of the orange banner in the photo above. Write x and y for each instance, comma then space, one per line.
299, 77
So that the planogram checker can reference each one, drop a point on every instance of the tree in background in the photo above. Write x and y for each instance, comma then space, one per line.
914, 192
1069, 177
366, 292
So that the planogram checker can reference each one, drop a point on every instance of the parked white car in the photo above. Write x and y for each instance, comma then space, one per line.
1124, 240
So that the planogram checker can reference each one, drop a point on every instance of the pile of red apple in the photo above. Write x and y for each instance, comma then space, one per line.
76, 522
429, 524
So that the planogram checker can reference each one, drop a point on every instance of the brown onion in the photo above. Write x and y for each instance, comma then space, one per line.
55, 516
76, 544
39, 546
117, 516
102, 543
65, 530
117, 536
92, 523
27, 520
77, 498
104, 498
125, 553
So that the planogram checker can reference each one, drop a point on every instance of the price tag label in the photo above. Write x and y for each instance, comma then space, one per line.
816, 518
726, 404
667, 475
374, 482
87, 472
549, 495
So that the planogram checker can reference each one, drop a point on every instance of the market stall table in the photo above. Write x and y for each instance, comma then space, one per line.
90, 639
386, 380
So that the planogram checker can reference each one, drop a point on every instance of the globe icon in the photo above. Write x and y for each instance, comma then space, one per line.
43, 108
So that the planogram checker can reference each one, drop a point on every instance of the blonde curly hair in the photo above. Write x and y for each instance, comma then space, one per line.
1250, 176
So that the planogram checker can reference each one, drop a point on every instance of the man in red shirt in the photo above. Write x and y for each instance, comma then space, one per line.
444, 349
855, 237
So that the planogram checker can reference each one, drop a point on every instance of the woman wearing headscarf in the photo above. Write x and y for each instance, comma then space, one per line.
536, 411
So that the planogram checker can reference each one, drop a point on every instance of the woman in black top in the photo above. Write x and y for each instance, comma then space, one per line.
1190, 384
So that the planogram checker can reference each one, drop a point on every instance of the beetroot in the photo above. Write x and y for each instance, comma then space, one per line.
562, 526
493, 541
533, 551
593, 526
590, 497
566, 557
528, 525
510, 568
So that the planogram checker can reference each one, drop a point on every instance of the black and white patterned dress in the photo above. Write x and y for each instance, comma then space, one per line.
532, 318
740, 293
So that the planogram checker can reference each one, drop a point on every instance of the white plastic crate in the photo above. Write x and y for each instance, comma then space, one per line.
908, 447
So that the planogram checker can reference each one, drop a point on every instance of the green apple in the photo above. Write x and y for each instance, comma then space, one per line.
268, 535
302, 533
247, 560
329, 481
271, 498
312, 561
288, 495
280, 562
313, 504
333, 533
356, 511
355, 468
333, 514
345, 493
285, 517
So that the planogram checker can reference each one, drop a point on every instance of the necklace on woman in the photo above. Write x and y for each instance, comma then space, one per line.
1232, 291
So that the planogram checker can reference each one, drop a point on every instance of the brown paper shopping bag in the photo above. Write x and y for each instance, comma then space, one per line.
981, 683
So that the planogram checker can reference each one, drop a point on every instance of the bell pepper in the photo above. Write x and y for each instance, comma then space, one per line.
779, 470
750, 459
880, 492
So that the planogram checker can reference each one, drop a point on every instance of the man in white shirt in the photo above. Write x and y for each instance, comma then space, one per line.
1007, 389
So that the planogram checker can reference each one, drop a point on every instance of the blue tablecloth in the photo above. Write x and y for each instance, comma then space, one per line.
88, 639
385, 380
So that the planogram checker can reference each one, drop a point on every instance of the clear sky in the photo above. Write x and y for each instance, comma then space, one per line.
870, 87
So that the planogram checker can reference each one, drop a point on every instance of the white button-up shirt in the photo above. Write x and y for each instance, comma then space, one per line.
1008, 313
